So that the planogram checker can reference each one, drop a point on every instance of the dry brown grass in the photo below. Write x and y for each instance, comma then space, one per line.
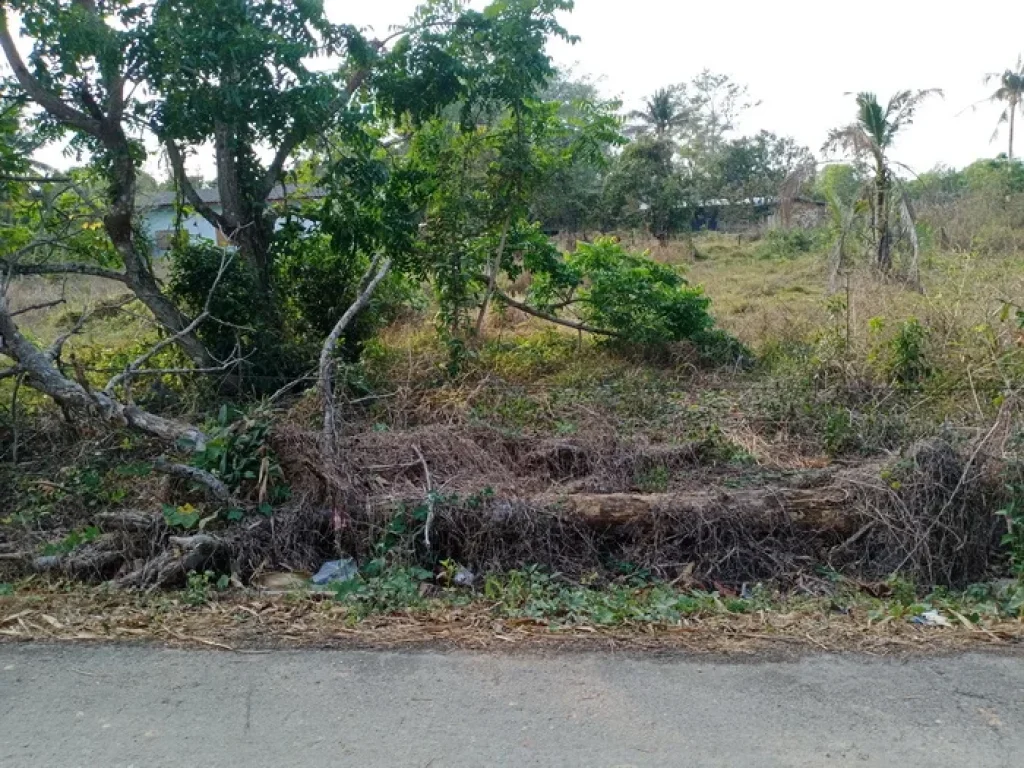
248, 622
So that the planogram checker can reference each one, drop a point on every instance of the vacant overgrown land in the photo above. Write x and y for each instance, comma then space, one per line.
452, 345
862, 439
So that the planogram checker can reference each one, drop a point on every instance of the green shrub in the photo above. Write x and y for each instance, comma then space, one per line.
242, 317
787, 243
902, 358
238, 452
279, 336
318, 283
629, 294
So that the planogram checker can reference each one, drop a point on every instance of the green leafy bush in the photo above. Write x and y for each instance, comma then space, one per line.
238, 452
786, 243
319, 283
243, 319
903, 357
628, 294
279, 336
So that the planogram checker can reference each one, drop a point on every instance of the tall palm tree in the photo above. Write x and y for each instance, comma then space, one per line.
1010, 91
664, 115
870, 137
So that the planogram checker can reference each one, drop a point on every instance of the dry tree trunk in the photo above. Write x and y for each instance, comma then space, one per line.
42, 374
377, 271
172, 566
909, 222
820, 509
492, 277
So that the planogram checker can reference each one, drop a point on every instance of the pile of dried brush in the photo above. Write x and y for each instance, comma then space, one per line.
493, 503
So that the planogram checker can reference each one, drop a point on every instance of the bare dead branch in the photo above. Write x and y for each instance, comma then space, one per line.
43, 305
125, 376
214, 486
42, 374
290, 386
429, 497
171, 567
14, 418
57, 347
93, 270
377, 271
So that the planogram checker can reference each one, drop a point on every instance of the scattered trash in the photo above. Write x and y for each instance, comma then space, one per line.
464, 578
336, 571
931, 618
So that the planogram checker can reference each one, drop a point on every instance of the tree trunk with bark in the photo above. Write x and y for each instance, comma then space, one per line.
883, 237
43, 375
1013, 118
108, 129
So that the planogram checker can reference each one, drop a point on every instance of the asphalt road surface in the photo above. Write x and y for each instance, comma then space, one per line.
110, 706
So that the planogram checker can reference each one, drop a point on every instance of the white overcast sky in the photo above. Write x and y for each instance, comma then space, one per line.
800, 58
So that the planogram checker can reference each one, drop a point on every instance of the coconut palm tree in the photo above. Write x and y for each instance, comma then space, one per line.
869, 138
664, 115
1010, 91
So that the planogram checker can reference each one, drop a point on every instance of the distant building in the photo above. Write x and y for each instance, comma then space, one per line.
159, 214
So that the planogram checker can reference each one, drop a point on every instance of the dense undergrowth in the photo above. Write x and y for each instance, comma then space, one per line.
838, 392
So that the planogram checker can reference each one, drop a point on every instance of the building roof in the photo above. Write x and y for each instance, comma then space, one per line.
211, 196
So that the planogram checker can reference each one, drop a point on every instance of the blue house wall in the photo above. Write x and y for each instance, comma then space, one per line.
157, 220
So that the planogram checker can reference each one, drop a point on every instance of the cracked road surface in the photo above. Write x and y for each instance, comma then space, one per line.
110, 706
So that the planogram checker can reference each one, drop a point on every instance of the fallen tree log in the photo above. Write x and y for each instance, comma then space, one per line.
171, 567
96, 560
824, 508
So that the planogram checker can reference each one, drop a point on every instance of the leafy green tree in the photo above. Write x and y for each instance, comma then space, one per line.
870, 138
715, 103
482, 182
755, 167
644, 189
1000, 177
15, 146
241, 76
839, 182
83, 57
629, 296
569, 199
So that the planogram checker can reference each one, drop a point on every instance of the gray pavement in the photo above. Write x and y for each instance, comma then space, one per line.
110, 706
